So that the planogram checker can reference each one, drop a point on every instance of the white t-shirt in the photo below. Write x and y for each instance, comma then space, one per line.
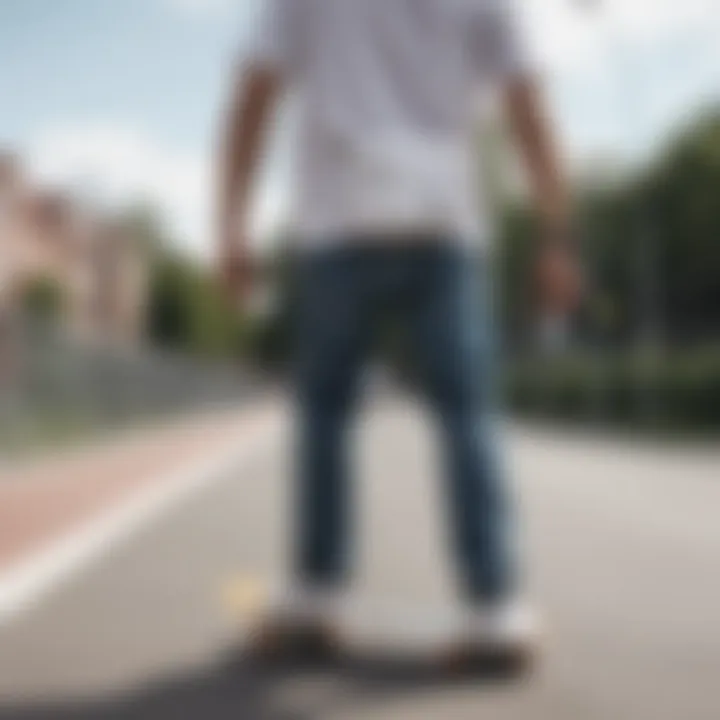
387, 93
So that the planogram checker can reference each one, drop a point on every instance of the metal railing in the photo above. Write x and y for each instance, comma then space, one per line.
51, 383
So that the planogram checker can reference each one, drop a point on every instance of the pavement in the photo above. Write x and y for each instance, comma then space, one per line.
622, 544
43, 498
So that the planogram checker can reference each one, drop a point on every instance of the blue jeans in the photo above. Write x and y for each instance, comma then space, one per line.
436, 287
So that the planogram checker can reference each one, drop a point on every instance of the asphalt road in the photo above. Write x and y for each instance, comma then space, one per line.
623, 545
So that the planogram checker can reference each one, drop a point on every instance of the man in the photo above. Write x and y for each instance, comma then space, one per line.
388, 209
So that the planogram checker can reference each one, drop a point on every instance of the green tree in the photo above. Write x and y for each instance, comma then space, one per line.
651, 247
187, 311
43, 300
682, 193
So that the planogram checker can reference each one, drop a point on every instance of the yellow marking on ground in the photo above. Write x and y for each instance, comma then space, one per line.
243, 597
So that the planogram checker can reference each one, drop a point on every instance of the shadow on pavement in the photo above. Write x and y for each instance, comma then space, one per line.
239, 689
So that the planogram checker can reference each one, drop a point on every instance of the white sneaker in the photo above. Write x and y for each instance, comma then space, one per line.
510, 625
311, 605
302, 621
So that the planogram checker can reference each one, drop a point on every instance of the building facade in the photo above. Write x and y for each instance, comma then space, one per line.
92, 264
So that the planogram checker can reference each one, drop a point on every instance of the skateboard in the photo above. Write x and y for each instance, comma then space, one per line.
399, 637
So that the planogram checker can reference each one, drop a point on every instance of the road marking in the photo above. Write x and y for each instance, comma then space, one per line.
24, 585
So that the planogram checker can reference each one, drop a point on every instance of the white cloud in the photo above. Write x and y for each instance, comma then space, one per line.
570, 31
113, 165
624, 71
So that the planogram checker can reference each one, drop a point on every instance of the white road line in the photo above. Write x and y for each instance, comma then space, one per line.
25, 584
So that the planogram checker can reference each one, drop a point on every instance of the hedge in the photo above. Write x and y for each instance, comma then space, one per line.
673, 389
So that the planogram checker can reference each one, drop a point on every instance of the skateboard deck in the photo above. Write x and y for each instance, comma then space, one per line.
372, 632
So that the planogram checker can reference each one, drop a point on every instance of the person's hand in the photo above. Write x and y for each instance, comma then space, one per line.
559, 278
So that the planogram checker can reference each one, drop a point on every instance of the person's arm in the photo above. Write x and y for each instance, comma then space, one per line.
537, 145
558, 267
248, 116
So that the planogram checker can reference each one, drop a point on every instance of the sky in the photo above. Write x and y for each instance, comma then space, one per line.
120, 100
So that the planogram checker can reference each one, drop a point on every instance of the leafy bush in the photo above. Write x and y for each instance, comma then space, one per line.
674, 390
43, 300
